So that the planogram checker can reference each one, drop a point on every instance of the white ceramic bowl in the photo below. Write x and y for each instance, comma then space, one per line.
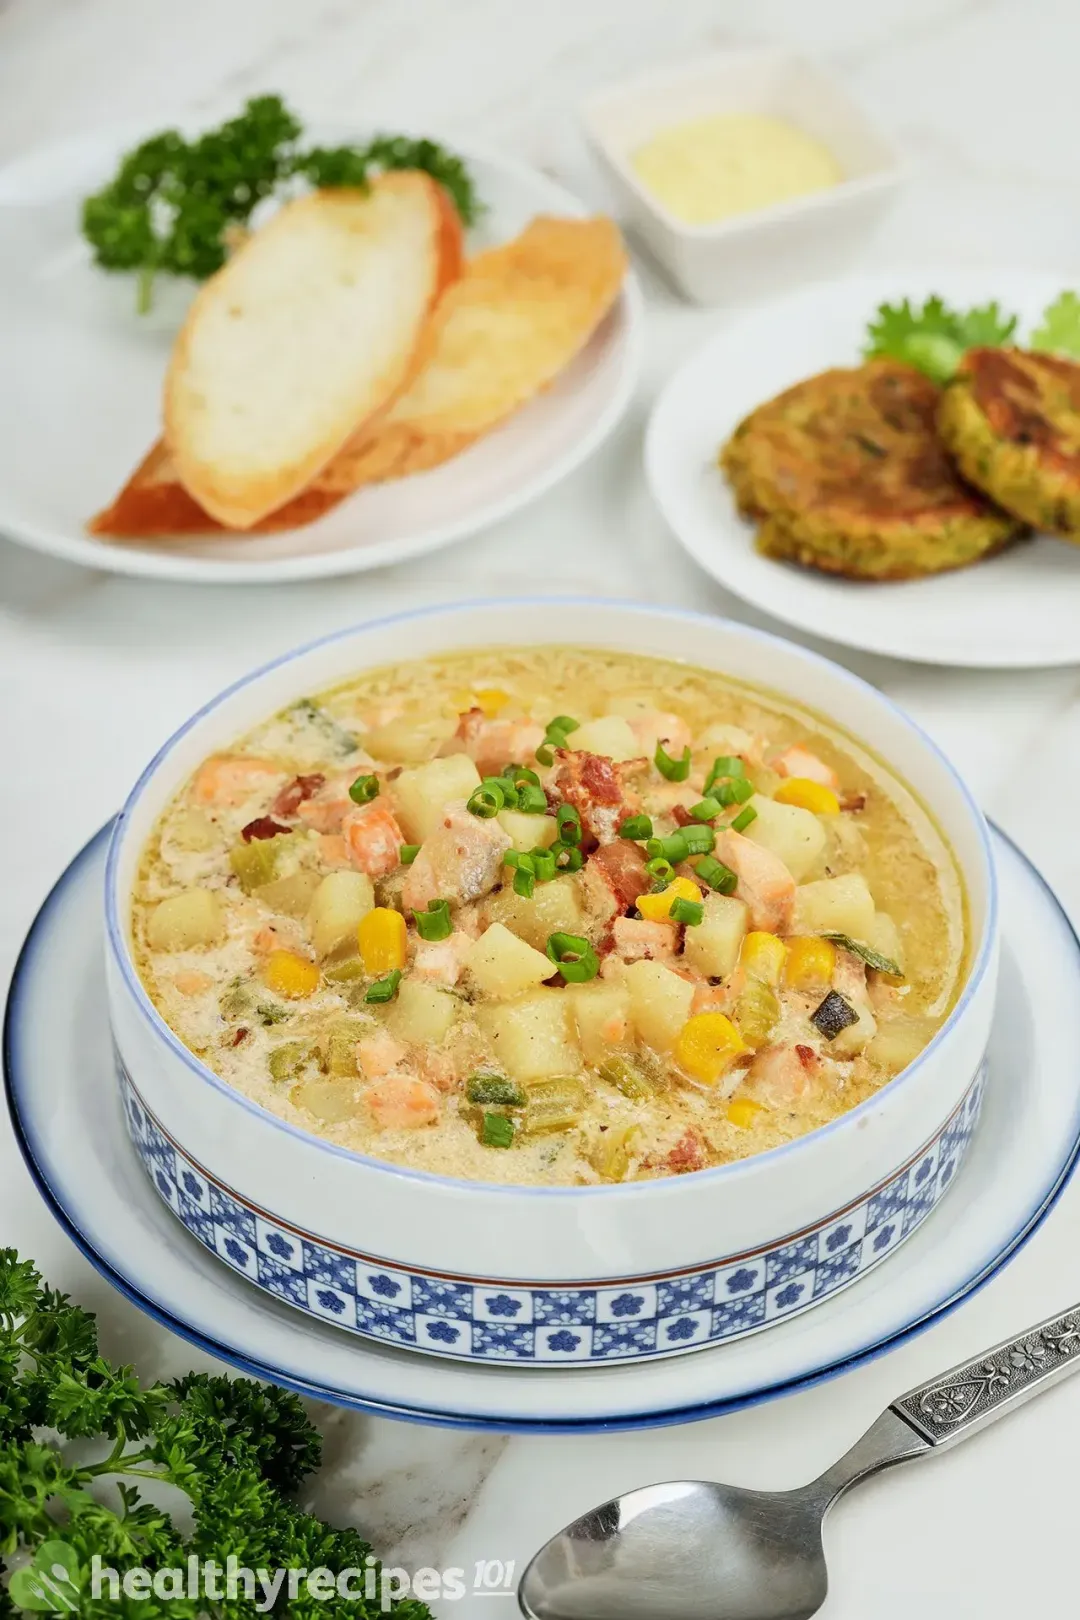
550, 1275
758, 252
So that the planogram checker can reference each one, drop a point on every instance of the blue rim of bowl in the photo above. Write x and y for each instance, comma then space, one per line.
436, 1417
116, 930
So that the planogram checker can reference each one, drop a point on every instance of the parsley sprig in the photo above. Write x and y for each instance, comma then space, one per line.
176, 205
238, 1451
935, 338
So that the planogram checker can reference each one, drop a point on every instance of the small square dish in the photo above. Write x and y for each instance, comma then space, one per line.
746, 253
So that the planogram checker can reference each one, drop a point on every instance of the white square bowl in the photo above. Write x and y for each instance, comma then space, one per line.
754, 252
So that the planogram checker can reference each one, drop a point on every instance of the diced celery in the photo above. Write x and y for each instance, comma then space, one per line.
254, 864
614, 1151
626, 1076
553, 1105
285, 1062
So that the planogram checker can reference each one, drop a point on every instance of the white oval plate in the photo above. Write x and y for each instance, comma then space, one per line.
1016, 611
80, 392
65, 1107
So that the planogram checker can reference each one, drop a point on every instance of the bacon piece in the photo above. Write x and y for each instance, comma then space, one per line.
689, 1153
295, 792
262, 827
617, 870
597, 789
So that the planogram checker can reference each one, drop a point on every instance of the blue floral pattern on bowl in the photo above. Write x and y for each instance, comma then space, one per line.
589, 1323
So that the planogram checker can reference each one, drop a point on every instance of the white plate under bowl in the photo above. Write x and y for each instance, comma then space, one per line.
65, 1107
1017, 611
80, 393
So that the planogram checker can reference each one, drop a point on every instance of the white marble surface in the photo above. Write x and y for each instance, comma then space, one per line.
95, 671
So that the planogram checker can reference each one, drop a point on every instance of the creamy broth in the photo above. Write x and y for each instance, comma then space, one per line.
698, 923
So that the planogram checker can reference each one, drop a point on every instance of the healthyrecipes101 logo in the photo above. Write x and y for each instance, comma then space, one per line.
53, 1583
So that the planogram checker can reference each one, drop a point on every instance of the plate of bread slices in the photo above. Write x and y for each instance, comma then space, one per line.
238, 355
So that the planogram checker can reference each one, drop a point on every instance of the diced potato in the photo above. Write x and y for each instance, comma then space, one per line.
712, 948
193, 831
840, 905
555, 908
726, 739
421, 1014
329, 1100
884, 937
850, 1041
338, 905
602, 1015
795, 835
292, 895
611, 736
899, 1041
659, 1002
501, 964
528, 832
410, 739
186, 921
532, 1038
421, 795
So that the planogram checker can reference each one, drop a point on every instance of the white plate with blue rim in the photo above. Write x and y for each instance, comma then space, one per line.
66, 1110
1018, 610
61, 317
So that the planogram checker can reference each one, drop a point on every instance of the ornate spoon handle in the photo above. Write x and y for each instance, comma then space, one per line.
985, 1388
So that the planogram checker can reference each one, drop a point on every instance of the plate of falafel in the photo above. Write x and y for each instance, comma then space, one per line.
891, 463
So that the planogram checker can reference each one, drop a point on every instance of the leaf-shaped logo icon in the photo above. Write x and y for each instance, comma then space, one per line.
50, 1583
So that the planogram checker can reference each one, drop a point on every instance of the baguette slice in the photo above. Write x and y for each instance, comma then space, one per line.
303, 338
517, 317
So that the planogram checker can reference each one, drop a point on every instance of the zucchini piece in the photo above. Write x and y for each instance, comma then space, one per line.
833, 1015
308, 713
285, 1062
494, 1088
339, 1045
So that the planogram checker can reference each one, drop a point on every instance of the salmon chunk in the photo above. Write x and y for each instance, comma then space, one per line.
494, 744
783, 1076
460, 861
402, 1103
373, 838
228, 780
799, 761
636, 940
765, 883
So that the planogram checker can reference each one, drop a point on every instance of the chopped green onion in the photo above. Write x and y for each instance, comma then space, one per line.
502, 785
636, 827
558, 730
674, 848
494, 1088
434, 923
725, 765
532, 800
569, 824
744, 818
699, 839
543, 865
384, 989
661, 869
574, 957
676, 770
736, 791
496, 1130
487, 800
716, 875
525, 882
520, 774
364, 789
568, 858
690, 912
407, 853
706, 809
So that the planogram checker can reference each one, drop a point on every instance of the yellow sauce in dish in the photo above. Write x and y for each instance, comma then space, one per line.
709, 169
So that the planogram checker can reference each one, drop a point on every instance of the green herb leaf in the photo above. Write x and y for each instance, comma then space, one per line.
934, 338
872, 958
1060, 329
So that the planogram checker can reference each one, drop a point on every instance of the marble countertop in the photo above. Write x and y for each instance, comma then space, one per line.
96, 671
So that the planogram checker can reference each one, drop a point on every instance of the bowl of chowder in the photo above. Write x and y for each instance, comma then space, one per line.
557, 980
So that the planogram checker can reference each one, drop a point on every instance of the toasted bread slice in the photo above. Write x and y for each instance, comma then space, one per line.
503, 332
303, 338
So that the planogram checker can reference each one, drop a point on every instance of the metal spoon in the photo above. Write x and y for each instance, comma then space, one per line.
690, 1550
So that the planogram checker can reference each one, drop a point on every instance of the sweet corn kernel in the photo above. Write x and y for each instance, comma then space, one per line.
743, 1111
491, 699
762, 957
657, 907
287, 974
807, 795
381, 940
810, 963
707, 1046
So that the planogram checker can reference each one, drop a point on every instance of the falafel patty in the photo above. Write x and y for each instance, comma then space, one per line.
846, 473
1011, 418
